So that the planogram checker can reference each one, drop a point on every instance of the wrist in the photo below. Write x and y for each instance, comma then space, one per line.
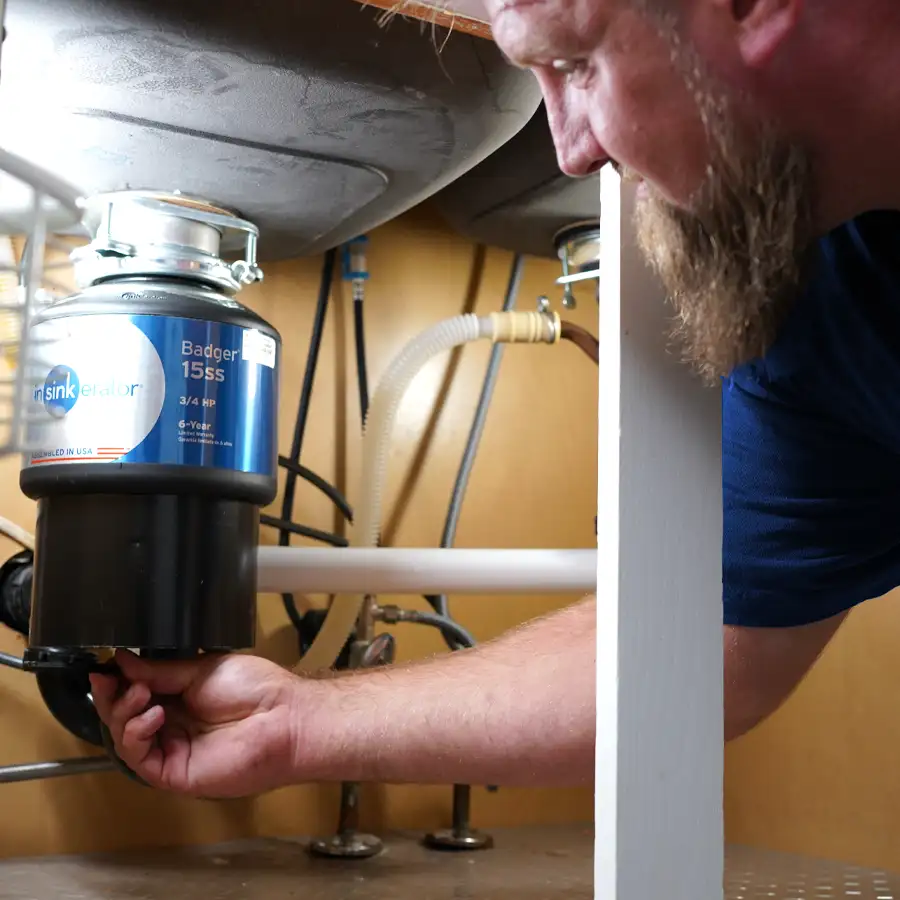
325, 728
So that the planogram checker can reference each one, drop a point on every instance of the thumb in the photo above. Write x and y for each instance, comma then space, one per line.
166, 677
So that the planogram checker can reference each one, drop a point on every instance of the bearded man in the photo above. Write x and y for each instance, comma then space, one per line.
765, 135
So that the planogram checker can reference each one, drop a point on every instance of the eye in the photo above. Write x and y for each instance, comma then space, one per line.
564, 66
577, 71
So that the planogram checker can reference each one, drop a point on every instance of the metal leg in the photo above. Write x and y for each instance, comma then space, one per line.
55, 769
349, 843
460, 836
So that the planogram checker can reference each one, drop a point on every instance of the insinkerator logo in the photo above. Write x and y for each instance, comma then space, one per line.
62, 388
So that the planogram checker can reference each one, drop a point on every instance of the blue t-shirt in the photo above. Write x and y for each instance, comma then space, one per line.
811, 442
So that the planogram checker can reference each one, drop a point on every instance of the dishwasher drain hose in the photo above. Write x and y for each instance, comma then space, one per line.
506, 327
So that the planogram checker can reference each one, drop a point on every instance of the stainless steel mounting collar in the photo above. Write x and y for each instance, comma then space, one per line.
157, 234
578, 248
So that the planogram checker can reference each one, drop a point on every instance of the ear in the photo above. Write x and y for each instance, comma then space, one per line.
762, 26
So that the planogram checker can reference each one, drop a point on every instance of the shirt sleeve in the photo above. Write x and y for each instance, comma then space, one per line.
811, 510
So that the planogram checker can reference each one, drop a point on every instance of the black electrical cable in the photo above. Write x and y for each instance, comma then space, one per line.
315, 534
448, 627
312, 359
439, 602
309, 377
328, 489
362, 374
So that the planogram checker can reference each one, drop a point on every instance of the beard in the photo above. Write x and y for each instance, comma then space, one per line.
733, 262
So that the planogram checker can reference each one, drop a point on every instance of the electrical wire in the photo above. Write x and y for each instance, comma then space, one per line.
450, 629
328, 489
285, 525
309, 377
582, 339
362, 375
315, 534
439, 602
355, 268
312, 359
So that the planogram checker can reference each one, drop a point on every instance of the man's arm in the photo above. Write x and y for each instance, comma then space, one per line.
519, 710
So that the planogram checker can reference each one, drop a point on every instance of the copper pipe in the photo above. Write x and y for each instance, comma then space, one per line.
582, 338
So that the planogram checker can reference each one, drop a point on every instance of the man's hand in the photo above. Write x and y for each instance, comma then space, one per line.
221, 726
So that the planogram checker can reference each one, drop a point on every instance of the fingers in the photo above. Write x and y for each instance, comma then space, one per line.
146, 736
103, 692
138, 733
162, 677
132, 725
175, 750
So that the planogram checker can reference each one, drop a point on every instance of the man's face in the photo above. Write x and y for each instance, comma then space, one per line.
724, 207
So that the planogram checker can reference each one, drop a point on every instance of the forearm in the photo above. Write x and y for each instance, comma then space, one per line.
519, 710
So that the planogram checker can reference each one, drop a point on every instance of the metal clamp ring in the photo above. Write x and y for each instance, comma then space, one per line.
245, 271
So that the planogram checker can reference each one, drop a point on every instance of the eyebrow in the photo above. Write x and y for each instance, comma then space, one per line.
507, 5
553, 41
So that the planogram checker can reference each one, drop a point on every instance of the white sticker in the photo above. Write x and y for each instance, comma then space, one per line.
99, 387
259, 348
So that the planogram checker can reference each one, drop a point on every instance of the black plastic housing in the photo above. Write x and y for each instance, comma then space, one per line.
146, 571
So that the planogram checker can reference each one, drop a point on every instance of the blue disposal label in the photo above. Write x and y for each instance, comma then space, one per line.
153, 389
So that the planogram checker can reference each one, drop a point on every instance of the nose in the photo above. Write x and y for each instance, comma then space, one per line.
578, 151
580, 155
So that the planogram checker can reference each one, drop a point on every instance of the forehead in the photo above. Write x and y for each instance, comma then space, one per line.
531, 29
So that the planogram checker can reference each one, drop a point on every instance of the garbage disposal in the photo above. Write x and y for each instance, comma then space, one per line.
151, 434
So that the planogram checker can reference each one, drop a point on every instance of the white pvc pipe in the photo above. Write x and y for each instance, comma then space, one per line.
388, 570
